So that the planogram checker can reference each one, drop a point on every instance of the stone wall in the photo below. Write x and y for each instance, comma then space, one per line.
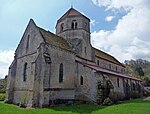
26, 53
87, 90
47, 75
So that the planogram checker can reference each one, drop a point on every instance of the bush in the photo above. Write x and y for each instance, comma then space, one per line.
2, 97
116, 96
23, 105
107, 102
135, 95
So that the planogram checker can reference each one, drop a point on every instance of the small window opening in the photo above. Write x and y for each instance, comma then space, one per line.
118, 82
74, 24
81, 80
98, 62
25, 72
110, 66
85, 50
61, 73
27, 46
62, 27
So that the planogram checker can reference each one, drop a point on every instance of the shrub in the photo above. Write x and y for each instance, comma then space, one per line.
23, 105
135, 95
2, 97
107, 102
116, 96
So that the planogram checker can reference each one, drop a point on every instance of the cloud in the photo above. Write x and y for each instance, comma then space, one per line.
118, 4
130, 38
93, 22
6, 58
109, 18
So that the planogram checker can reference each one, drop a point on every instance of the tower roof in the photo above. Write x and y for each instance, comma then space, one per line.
72, 13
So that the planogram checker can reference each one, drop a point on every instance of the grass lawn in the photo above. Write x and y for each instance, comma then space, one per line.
137, 106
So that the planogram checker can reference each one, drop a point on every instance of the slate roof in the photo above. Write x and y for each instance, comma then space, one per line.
72, 13
106, 56
55, 40
99, 69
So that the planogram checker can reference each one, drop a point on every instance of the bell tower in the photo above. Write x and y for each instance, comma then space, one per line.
75, 28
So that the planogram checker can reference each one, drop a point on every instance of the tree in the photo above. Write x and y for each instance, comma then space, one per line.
140, 71
146, 81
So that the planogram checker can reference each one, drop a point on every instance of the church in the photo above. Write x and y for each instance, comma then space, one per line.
50, 67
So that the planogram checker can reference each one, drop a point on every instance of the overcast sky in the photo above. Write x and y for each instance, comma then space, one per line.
120, 28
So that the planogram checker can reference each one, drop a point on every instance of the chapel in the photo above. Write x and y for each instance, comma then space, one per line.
57, 68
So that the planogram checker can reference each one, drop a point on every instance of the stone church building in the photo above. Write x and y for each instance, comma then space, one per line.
65, 66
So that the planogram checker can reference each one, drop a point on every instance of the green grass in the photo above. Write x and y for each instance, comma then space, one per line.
137, 106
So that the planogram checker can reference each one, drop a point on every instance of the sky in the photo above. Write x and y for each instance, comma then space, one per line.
120, 28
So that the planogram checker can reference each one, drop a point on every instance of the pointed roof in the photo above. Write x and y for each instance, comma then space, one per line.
72, 13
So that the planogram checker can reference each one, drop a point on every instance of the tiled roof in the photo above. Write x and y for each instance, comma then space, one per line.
99, 69
72, 12
55, 40
106, 56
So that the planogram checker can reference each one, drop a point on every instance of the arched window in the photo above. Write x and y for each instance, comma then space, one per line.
81, 80
110, 66
27, 45
85, 26
85, 50
25, 72
62, 27
61, 73
116, 68
98, 62
118, 82
74, 24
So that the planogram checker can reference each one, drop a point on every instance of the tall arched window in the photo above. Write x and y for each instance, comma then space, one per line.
62, 27
61, 73
81, 80
27, 45
85, 50
118, 82
110, 66
25, 72
74, 24
98, 62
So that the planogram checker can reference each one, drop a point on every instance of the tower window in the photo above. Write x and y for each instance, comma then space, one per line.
74, 24
61, 73
85, 26
62, 27
116, 68
81, 80
25, 72
98, 62
110, 66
